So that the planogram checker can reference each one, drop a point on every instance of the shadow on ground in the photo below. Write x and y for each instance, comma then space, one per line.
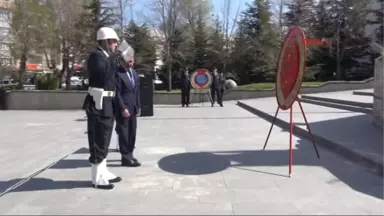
34, 183
41, 184
202, 163
356, 132
81, 119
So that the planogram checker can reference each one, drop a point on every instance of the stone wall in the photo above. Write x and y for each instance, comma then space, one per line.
378, 93
65, 100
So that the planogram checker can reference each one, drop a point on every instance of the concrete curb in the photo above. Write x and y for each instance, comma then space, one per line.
338, 106
372, 165
363, 93
345, 102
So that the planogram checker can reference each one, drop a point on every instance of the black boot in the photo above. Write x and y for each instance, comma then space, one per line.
104, 187
129, 161
115, 180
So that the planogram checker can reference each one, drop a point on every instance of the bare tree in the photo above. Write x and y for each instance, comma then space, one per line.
278, 15
228, 26
25, 23
67, 17
5, 38
191, 10
122, 19
48, 40
166, 13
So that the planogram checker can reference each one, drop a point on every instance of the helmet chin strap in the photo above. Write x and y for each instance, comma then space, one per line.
104, 45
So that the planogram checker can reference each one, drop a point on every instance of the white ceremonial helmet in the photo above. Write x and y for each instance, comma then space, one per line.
105, 33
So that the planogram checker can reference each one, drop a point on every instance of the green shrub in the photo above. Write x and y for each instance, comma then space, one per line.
47, 82
312, 72
9, 87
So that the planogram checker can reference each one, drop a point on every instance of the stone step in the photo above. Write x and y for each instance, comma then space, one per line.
338, 106
362, 93
332, 100
352, 155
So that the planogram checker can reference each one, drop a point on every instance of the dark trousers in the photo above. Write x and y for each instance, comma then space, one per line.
217, 93
185, 92
126, 131
99, 136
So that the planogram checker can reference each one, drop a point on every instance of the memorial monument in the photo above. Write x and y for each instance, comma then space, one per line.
378, 85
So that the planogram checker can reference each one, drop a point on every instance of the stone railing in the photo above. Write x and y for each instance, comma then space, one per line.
62, 100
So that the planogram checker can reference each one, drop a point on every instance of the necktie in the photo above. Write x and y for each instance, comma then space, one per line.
130, 75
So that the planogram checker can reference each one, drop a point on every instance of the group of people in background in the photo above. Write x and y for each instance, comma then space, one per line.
217, 87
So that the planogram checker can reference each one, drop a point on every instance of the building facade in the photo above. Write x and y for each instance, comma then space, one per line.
5, 33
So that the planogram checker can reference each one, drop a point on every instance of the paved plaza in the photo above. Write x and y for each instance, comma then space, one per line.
196, 160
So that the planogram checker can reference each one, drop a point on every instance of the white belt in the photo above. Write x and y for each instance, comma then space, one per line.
98, 94
108, 93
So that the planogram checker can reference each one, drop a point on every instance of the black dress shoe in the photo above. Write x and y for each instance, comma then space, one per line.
115, 180
104, 187
130, 162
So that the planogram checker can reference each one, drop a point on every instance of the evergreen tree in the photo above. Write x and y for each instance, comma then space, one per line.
343, 24
379, 14
181, 56
216, 45
144, 46
261, 40
97, 14
300, 13
101, 14
239, 54
200, 43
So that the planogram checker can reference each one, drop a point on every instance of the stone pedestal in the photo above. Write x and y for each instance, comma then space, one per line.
378, 93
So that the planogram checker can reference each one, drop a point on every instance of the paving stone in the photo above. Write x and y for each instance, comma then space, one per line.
265, 208
198, 160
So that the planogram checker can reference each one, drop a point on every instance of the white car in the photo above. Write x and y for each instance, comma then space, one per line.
75, 81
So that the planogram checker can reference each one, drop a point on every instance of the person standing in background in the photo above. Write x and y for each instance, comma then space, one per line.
185, 86
222, 84
216, 88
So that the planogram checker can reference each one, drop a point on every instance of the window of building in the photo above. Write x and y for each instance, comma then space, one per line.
5, 61
4, 46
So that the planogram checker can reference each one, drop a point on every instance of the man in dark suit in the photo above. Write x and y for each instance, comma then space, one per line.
128, 107
185, 86
98, 104
216, 88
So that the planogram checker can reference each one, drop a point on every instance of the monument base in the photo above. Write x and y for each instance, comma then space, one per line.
378, 93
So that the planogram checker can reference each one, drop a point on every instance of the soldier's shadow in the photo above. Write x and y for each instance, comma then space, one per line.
36, 183
40, 184
202, 163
